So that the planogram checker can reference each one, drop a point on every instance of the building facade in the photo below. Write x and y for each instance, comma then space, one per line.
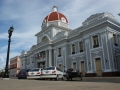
91, 48
14, 66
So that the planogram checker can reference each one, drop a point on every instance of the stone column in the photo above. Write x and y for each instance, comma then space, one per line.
67, 61
46, 59
50, 58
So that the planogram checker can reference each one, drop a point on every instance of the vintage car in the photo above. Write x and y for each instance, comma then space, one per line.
70, 74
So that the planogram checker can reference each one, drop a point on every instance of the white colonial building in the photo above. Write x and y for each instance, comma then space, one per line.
92, 48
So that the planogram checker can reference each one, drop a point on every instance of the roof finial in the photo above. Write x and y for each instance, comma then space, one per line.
54, 9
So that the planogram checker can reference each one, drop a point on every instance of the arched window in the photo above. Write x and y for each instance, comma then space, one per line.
63, 19
44, 39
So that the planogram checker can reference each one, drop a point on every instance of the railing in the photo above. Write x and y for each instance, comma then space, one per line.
41, 59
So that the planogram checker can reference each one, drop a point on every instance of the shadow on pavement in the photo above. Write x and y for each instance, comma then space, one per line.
98, 79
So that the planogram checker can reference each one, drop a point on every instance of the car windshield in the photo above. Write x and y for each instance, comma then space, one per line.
22, 70
33, 70
49, 68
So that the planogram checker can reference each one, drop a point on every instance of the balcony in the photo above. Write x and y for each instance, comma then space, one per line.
115, 44
94, 46
59, 55
41, 59
81, 50
73, 52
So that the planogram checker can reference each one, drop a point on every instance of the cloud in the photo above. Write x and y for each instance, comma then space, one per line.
3, 57
77, 11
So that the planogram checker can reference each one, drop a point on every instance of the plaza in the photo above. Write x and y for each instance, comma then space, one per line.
88, 83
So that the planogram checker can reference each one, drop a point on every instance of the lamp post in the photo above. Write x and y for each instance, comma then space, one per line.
6, 74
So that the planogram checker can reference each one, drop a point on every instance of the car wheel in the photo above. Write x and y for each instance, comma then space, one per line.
68, 78
57, 77
81, 78
62, 79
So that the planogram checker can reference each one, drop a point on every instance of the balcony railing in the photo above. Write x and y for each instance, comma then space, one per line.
95, 46
73, 52
115, 44
81, 50
59, 55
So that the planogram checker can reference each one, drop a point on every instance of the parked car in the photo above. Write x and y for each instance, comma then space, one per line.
1, 75
51, 73
70, 74
23, 74
34, 73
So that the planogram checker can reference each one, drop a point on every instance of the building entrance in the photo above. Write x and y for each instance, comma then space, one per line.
98, 67
82, 68
41, 65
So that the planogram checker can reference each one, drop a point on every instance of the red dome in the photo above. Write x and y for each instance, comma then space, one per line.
54, 16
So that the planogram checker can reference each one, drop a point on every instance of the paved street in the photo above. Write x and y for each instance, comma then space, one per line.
87, 84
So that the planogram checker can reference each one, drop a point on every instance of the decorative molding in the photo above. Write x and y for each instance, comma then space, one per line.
81, 56
59, 58
96, 49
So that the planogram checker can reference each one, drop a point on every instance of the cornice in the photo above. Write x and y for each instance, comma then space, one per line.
50, 26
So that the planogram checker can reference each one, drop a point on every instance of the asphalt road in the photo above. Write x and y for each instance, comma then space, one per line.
86, 84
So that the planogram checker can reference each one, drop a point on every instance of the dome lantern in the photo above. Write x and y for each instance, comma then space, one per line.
54, 9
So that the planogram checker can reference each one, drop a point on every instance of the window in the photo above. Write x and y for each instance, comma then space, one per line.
43, 54
58, 69
95, 41
59, 52
74, 65
27, 61
22, 62
34, 70
63, 19
44, 39
73, 48
81, 46
49, 68
33, 59
115, 42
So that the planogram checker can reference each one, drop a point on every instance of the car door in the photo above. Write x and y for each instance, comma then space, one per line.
59, 72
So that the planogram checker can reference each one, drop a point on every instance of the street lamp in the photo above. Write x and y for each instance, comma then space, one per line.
6, 74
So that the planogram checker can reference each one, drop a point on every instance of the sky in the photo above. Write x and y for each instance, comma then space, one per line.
26, 16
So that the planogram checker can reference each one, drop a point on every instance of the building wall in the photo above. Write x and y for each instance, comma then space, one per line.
94, 25
14, 66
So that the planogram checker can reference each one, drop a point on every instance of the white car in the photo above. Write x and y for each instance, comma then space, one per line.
51, 73
34, 73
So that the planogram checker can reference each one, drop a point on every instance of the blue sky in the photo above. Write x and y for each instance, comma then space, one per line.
26, 17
